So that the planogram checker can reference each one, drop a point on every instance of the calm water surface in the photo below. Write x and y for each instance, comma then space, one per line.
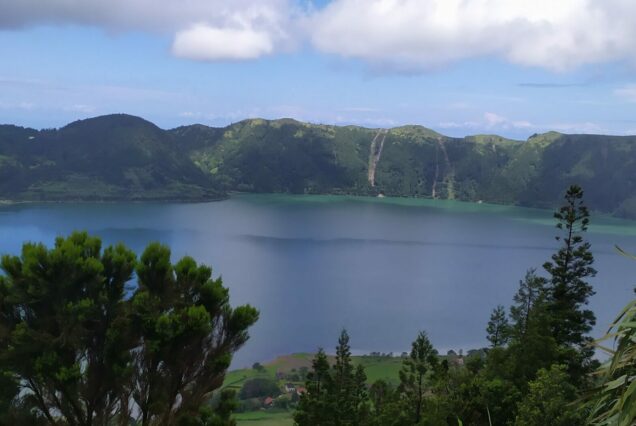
383, 269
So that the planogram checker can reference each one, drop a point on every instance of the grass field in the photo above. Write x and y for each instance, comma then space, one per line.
265, 418
385, 368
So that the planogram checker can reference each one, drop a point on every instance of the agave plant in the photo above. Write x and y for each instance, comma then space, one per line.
614, 402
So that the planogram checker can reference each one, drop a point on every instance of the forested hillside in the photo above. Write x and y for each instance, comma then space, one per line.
107, 158
120, 157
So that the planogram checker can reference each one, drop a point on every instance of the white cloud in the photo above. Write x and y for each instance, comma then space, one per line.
202, 29
421, 34
403, 35
493, 119
206, 43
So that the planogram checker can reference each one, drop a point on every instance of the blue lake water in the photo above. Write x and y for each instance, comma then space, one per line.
382, 268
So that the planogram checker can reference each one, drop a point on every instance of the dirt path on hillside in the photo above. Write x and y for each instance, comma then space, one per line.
375, 153
449, 173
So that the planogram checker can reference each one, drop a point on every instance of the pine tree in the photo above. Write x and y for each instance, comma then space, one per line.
361, 397
498, 327
531, 293
531, 346
349, 386
343, 380
314, 405
421, 361
381, 394
84, 353
336, 396
568, 290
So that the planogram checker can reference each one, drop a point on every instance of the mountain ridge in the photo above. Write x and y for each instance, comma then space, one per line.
124, 157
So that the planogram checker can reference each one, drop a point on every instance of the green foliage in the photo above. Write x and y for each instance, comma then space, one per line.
421, 363
68, 341
498, 328
349, 385
336, 395
550, 401
528, 302
112, 157
568, 290
8, 391
382, 396
188, 334
481, 400
613, 402
218, 415
548, 353
82, 353
314, 405
259, 387
532, 345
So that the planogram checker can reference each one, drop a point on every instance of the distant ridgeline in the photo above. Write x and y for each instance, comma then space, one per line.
121, 157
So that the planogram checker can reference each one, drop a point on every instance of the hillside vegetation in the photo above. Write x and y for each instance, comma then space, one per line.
120, 157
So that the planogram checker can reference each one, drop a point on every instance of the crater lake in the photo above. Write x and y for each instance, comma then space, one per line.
381, 268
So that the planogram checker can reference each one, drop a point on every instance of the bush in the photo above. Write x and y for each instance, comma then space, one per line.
259, 388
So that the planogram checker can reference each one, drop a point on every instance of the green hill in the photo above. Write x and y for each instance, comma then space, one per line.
120, 157
113, 157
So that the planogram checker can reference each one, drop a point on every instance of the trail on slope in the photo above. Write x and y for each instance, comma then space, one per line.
449, 173
375, 153
434, 187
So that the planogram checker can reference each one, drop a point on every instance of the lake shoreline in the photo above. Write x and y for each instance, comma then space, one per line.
402, 201
229, 194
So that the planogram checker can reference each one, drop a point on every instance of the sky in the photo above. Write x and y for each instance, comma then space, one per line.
510, 67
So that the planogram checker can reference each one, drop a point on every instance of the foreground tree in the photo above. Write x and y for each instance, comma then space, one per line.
549, 321
337, 395
220, 414
67, 335
314, 405
349, 386
530, 296
385, 404
532, 346
188, 334
420, 364
550, 401
83, 354
568, 289
612, 402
